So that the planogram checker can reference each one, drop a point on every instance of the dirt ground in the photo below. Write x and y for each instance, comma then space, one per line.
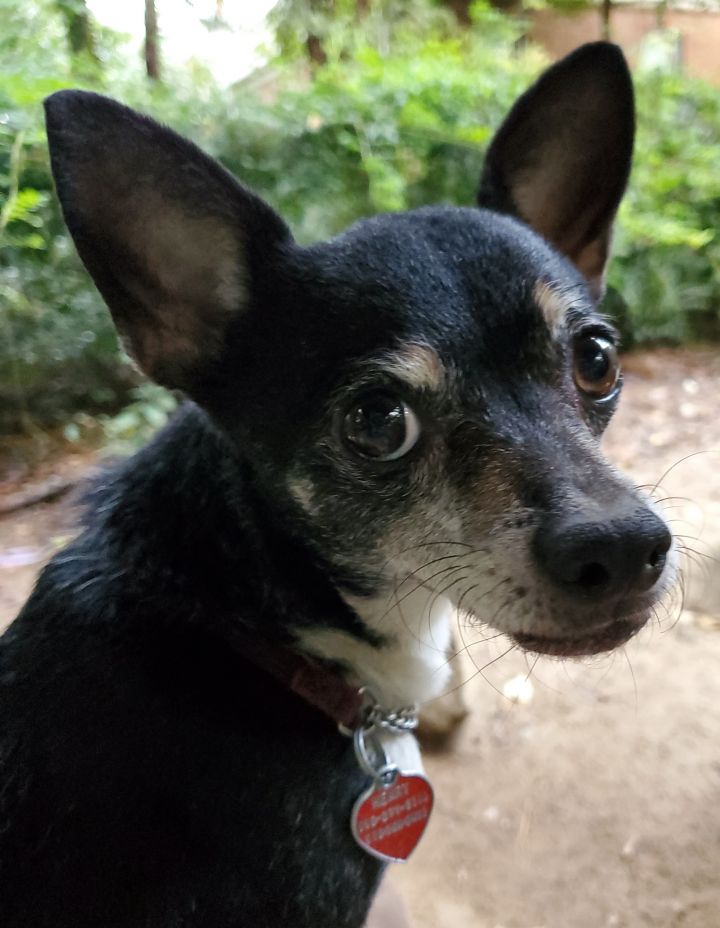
584, 794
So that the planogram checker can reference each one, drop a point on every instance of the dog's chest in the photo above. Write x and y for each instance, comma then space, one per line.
411, 664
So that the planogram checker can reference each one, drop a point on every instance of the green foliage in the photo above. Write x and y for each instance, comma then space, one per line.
342, 27
382, 129
148, 410
57, 346
398, 116
667, 251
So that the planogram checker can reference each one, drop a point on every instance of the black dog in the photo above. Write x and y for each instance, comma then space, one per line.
385, 428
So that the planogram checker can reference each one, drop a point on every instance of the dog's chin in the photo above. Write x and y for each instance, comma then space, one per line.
596, 642
593, 637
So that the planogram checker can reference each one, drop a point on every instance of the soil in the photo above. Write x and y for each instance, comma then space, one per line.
575, 794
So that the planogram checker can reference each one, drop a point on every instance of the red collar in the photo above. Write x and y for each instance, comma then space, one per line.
311, 679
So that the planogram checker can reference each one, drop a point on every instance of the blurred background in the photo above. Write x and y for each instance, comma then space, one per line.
574, 796
333, 110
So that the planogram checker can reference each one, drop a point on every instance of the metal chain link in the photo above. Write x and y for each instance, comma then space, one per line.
369, 750
377, 716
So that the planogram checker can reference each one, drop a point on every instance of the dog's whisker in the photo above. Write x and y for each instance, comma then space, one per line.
664, 500
472, 676
532, 668
426, 544
536, 677
424, 584
411, 631
656, 617
433, 601
686, 547
610, 664
682, 460
632, 674
481, 670
466, 650
471, 644
503, 605
681, 585
437, 560
486, 594
416, 633
696, 558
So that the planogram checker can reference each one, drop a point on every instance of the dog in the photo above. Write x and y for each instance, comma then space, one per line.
211, 691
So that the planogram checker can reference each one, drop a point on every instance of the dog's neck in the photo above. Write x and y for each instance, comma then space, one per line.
412, 663
230, 563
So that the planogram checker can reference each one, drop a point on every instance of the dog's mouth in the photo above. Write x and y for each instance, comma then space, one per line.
604, 639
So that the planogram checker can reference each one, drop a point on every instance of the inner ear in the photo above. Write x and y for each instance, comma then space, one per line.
173, 286
561, 160
172, 241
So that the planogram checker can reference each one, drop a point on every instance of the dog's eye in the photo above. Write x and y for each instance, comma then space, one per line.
596, 367
381, 426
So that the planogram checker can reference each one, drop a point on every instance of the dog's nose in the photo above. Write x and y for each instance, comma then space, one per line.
606, 558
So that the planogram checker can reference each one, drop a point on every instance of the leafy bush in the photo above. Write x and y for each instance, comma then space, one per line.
667, 250
371, 130
57, 347
384, 130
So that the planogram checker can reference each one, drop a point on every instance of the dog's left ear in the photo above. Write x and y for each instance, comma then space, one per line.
561, 160
173, 242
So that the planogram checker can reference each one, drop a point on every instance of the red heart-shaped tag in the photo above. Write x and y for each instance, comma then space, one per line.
388, 821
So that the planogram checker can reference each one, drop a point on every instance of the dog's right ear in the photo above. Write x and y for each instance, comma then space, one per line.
171, 240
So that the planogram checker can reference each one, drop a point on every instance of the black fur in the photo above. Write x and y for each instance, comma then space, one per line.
150, 775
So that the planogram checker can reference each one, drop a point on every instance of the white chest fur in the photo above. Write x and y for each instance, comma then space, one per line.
411, 666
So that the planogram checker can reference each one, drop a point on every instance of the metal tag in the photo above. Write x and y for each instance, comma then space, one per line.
388, 818
388, 821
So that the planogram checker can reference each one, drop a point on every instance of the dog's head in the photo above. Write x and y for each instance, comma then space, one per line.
421, 398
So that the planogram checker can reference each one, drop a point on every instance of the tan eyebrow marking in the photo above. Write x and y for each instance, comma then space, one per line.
417, 365
553, 305
303, 490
